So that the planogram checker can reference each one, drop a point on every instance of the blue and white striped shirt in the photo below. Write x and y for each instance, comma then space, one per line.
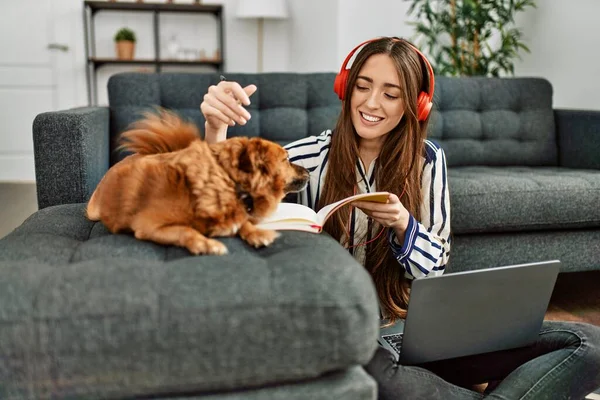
426, 245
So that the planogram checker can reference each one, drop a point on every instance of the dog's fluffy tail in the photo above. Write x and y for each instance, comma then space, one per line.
160, 132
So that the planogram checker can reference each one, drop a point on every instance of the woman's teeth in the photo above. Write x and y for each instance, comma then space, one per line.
370, 118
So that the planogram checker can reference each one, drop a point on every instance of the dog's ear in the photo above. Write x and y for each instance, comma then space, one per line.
244, 161
247, 163
262, 156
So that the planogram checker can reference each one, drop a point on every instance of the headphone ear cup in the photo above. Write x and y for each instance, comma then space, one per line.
424, 106
339, 85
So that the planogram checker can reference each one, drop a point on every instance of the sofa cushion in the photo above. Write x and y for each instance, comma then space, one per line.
286, 106
493, 199
494, 121
477, 120
577, 249
84, 311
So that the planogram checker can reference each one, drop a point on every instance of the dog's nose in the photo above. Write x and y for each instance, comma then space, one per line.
301, 170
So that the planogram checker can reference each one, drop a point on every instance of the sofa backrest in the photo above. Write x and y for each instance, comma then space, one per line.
286, 106
494, 121
478, 121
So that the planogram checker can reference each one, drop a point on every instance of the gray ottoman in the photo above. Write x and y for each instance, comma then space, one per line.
87, 314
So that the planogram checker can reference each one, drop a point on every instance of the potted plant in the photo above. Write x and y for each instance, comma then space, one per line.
125, 44
469, 37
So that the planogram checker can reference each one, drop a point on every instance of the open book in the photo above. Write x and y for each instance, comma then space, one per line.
297, 217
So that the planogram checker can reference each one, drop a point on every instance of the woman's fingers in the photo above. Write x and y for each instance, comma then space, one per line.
372, 206
250, 89
232, 94
227, 104
393, 199
223, 103
241, 94
390, 214
211, 114
385, 214
223, 108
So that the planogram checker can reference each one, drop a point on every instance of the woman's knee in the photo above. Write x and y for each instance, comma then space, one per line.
591, 341
583, 338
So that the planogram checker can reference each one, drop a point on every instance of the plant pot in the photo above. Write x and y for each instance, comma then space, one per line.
125, 49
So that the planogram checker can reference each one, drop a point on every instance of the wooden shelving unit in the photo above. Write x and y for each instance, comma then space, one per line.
90, 8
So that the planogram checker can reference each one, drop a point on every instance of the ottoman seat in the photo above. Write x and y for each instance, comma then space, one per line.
78, 303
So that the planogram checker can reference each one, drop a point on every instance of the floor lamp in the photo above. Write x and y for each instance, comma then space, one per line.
261, 10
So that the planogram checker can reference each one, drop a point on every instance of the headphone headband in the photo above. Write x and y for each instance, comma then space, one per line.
425, 99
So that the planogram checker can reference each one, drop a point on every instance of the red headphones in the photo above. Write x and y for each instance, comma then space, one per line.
424, 101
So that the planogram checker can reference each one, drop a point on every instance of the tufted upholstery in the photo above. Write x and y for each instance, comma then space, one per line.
98, 315
478, 121
493, 121
490, 199
285, 107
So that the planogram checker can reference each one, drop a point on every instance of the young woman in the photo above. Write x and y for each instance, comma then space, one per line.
379, 143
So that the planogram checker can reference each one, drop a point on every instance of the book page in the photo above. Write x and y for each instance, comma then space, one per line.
290, 226
292, 212
325, 212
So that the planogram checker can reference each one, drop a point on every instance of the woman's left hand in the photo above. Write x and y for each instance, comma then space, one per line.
391, 214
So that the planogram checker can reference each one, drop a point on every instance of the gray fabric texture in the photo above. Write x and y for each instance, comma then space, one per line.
578, 138
494, 121
286, 106
71, 152
576, 249
353, 384
89, 313
478, 121
505, 199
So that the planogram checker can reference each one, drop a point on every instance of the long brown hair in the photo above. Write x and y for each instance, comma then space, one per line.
398, 167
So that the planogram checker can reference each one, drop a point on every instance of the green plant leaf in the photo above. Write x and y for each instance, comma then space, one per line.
464, 40
125, 34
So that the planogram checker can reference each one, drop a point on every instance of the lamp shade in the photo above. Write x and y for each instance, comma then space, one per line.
274, 9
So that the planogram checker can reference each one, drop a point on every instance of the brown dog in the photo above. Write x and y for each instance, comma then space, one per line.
177, 189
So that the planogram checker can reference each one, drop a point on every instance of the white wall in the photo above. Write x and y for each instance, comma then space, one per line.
319, 34
358, 23
562, 36
313, 35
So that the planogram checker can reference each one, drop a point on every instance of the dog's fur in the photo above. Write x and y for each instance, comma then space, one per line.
176, 189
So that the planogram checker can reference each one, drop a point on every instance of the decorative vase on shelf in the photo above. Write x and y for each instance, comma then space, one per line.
125, 49
125, 44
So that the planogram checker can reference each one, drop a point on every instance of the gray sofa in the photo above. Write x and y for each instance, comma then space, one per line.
91, 315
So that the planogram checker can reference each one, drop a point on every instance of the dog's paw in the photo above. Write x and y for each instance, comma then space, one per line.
260, 237
207, 246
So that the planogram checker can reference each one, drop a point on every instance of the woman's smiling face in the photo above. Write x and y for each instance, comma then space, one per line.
376, 101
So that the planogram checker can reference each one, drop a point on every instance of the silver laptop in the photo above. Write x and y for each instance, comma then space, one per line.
472, 312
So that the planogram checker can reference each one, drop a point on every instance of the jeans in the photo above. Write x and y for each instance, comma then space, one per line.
564, 363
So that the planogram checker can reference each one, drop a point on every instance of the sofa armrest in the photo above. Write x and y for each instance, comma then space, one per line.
578, 138
71, 152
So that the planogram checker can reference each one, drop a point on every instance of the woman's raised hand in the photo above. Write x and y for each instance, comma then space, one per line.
223, 107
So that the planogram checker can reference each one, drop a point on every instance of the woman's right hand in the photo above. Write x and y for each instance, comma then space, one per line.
222, 107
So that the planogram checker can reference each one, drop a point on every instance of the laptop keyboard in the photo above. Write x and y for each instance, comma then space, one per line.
395, 341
